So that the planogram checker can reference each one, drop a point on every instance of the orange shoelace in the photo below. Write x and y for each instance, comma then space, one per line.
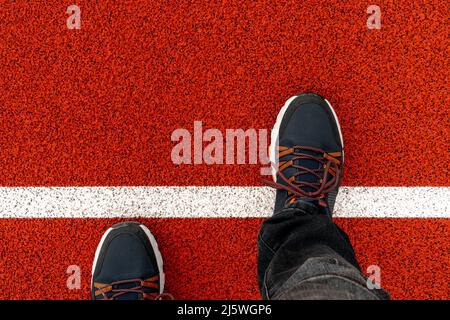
111, 292
328, 173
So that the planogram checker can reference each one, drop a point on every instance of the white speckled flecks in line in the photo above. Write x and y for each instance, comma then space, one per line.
196, 202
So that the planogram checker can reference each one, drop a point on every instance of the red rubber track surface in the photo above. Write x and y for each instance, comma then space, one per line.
97, 106
215, 258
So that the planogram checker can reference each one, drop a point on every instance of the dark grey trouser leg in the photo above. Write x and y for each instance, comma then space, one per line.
302, 254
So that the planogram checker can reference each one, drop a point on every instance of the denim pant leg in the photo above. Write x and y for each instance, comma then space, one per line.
302, 254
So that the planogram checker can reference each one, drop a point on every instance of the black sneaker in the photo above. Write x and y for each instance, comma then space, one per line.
127, 265
307, 153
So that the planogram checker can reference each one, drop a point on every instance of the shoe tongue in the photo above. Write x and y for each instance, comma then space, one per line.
307, 163
132, 295
129, 295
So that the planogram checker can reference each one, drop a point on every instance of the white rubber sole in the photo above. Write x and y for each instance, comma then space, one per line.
154, 245
274, 135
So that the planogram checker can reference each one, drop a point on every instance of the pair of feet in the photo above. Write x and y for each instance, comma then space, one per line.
307, 156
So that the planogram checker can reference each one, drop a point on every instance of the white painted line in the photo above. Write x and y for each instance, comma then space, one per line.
194, 202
